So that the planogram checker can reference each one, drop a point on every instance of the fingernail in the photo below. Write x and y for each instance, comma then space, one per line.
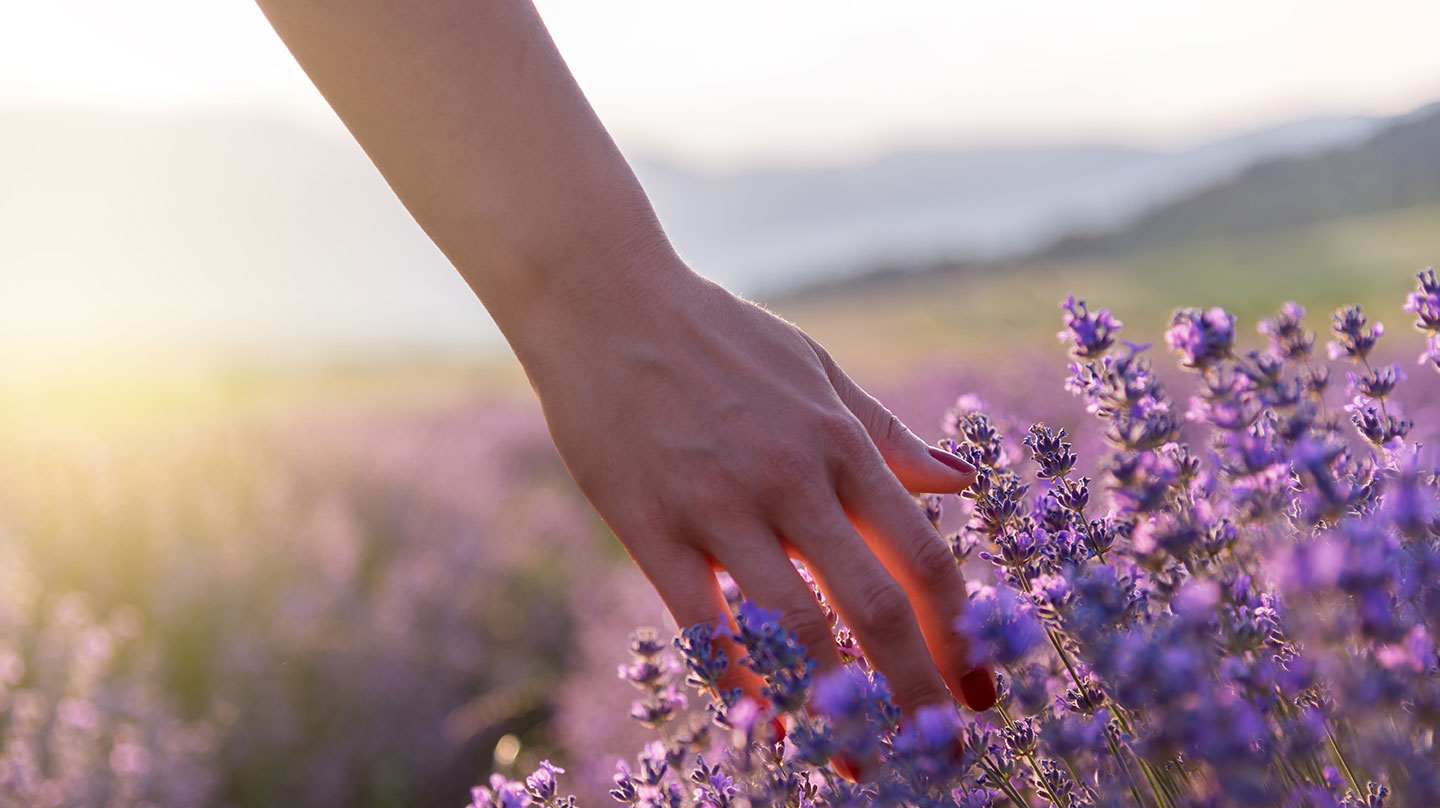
846, 767
779, 726
953, 461
978, 687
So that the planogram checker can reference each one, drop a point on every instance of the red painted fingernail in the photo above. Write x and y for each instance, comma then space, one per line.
846, 767
953, 461
978, 686
779, 726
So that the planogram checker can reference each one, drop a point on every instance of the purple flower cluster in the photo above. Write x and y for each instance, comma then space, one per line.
1201, 338
1424, 303
653, 673
539, 790
1237, 604
1089, 333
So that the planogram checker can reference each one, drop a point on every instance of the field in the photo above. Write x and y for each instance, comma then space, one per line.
347, 588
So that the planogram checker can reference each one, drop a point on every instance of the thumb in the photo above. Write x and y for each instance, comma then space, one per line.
920, 467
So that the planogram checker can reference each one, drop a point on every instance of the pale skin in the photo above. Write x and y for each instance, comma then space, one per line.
707, 432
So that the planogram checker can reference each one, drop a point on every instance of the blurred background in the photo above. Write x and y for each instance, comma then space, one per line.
279, 520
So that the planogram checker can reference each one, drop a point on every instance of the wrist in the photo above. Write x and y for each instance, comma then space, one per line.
628, 283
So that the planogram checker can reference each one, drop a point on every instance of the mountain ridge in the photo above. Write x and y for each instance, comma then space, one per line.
921, 206
1398, 167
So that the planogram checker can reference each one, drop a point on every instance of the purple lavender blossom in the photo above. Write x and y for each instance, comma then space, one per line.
1424, 302
1377, 383
500, 793
1000, 626
1288, 338
1050, 451
1090, 334
1201, 338
776, 654
1431, 355
542, 783
1355, 336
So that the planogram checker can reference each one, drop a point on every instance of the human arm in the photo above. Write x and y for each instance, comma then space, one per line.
707, 432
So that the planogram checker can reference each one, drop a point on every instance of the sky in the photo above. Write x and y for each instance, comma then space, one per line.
807, 81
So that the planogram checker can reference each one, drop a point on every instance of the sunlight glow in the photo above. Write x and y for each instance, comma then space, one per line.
807, 79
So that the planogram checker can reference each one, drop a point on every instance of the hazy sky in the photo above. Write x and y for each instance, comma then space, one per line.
780, 80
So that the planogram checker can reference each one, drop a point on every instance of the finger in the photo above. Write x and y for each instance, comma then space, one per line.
871, 603
909, 547
687, 585
766, 576
920, 467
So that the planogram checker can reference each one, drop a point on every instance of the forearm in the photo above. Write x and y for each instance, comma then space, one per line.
471, 115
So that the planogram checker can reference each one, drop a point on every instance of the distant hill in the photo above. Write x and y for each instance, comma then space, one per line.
1398, 167
767, 231
251, 235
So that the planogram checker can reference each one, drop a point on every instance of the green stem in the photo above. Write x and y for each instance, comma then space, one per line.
1003, 782
1034, 766
1340, 756
1129, 775
1162, 798
1145, 768
1080, 513
1316, 773
1366, 362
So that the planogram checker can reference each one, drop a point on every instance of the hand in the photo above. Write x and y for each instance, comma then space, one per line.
707, 432
711, 434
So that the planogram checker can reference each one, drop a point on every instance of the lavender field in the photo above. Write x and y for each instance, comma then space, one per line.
282, 523
380, 606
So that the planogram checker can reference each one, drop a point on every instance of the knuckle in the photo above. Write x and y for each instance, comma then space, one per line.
703, 496
826, 360
883, 607
894, 429
716, 530
808, 624
641, 523
841, 431
705, 506
874, 416
921, 690
933, 564
788, 465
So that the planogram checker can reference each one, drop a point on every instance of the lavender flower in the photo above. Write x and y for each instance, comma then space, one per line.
1244, 613
1431, 355
776, 654
1201, 338
501, 793
1050, 451
1377, 383
542, 784
1090, 334
1355, 336
1424, 302
1001, 627
1288, 338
